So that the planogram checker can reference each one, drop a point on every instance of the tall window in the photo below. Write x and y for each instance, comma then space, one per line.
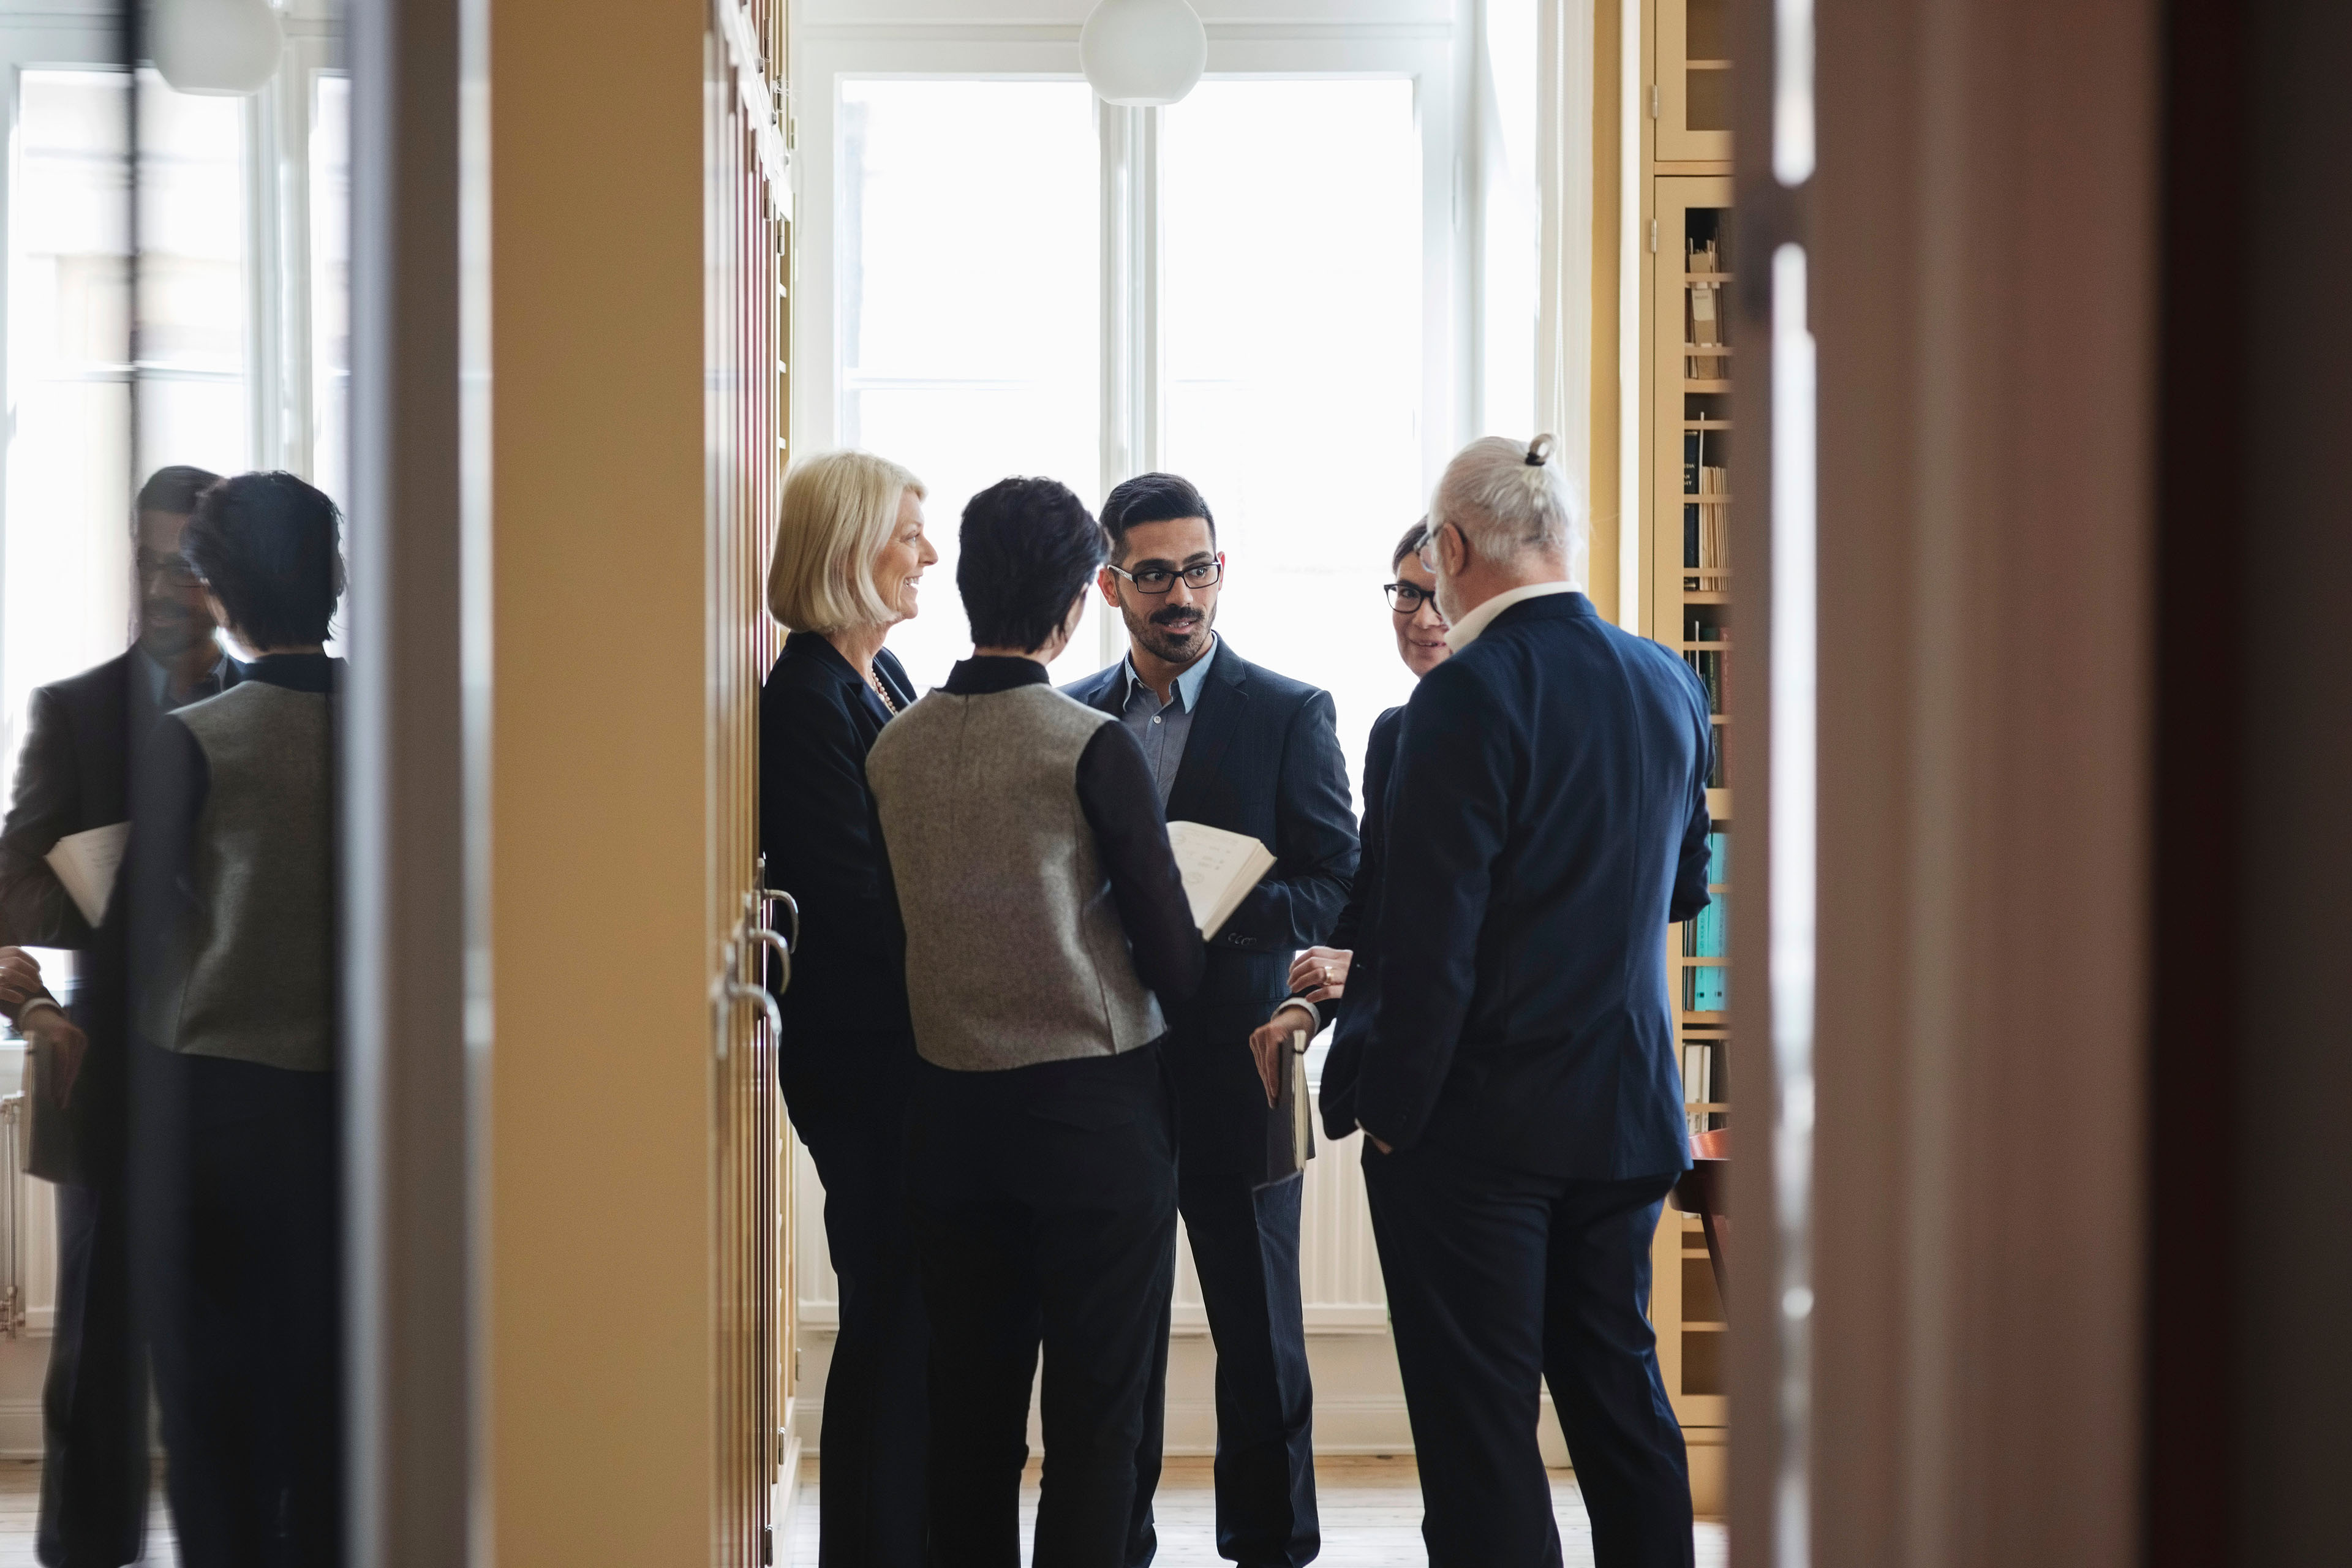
1291, 215
1276, 303
968, 307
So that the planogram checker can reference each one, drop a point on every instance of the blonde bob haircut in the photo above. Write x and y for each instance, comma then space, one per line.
839, 510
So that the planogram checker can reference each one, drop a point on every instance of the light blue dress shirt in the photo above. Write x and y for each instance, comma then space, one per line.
1164, 728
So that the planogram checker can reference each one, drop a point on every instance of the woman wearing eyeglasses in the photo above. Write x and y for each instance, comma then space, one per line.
1318, 976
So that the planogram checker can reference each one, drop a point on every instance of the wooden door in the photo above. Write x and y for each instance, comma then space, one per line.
748, 206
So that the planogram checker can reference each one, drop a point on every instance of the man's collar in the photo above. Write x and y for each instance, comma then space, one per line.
1188, 685
159, 675
1465, 630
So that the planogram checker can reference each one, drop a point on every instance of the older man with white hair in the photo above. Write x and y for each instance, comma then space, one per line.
1516, 1080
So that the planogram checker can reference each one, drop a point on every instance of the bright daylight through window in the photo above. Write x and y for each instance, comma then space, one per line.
1290, 326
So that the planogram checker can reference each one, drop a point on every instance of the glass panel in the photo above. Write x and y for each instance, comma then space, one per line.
330, 284
1703, 1361
1706, 29
193, 310
67, 566
1707, 103
969, 341
1292, 308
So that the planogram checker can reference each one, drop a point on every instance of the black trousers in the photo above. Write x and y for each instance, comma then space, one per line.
1046, 1211
94, 1470
239, 1239
1246, 1251
870, 1483
1500, 1281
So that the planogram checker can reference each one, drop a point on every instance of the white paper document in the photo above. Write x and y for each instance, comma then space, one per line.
86, 864
1219, 869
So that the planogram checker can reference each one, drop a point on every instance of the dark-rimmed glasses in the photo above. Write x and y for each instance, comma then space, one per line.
1406, 599
1155, 581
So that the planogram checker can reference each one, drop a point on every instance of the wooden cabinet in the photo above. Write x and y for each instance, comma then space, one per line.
1689, 503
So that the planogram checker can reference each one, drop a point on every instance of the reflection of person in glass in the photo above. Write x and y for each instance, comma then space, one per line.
1318, 976
73, 775
229, 882
850, 556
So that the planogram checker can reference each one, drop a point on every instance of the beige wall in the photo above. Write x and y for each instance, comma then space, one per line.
600, 1418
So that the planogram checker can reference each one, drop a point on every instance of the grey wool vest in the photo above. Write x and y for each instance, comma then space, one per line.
255, 970
1016, 954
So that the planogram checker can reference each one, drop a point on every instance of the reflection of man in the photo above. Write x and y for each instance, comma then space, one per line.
1522, 1115
72, 775
1237, 747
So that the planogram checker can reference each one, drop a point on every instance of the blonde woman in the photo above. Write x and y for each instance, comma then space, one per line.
849, 561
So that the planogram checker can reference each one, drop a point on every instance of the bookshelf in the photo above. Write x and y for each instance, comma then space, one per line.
1689, 495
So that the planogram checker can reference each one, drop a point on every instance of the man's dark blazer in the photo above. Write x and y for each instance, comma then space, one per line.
818, 718
1347, 1011
73, 774
1263, 758
1549, 808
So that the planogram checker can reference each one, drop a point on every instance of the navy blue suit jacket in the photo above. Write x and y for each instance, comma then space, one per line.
1548, 818
817, 720
1263, 759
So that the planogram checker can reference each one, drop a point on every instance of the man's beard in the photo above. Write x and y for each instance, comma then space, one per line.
1180, 647
168, 629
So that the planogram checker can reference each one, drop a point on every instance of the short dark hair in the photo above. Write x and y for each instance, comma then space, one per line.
1415, 538
1026, 549
1151, 497
176, 489
270, 547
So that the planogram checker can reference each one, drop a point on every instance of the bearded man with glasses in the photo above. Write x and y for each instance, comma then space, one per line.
1232, 746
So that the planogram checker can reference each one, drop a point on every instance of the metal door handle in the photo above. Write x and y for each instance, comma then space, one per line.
769, 899
762, 936
739, 992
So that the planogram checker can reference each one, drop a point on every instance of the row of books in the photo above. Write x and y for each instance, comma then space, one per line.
1706, 1075
1708, 935
1705, 325
1706, 988
1707, 536
1708, 667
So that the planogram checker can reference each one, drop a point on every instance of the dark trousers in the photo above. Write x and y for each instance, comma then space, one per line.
870, 1483
239, 1238
94, 1469
1046, 1211
1246, 1251
1500, 1281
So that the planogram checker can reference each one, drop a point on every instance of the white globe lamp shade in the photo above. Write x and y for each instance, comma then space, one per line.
1144, 52
222, 47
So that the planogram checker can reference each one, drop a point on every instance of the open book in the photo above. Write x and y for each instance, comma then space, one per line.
86, 863
1219, 869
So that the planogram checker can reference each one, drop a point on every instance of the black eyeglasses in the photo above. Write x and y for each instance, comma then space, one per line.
1405, 598
1157, 580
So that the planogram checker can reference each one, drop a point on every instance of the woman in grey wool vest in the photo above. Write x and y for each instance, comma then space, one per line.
1043, 922
229, 891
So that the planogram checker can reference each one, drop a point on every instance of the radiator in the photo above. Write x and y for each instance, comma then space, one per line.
12, 1133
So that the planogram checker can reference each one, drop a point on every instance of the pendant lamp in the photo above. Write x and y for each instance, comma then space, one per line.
219, 47
1144, 52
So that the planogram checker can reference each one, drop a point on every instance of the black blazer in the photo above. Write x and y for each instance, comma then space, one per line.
1353, 933
817, 720
1551, 801
73, 774
1263, 758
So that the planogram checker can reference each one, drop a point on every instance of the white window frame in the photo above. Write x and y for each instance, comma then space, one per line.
1431, 55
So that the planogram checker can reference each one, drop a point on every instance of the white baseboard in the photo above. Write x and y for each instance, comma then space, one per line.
20, 1428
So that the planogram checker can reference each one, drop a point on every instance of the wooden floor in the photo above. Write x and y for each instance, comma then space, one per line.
1371, 1511
20, 1503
